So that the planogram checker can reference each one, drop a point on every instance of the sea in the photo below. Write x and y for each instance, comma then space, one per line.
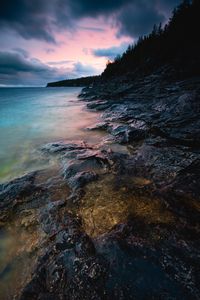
32, 117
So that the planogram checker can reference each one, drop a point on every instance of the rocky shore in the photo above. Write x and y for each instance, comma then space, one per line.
115, 222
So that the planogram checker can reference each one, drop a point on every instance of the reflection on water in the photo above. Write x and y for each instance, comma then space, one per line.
30, 117
104, 206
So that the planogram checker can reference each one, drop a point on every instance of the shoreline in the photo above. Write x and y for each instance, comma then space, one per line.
33, 121
127, 223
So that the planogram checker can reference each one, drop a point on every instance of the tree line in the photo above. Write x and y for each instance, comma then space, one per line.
177, 43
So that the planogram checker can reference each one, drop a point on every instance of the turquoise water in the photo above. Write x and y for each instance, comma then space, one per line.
31, 117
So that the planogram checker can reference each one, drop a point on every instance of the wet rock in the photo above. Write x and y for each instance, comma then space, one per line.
51, 217
152, 261
81, 164
81, 179
141, 258
98, 105
126, 134
63, 147
69, 265
83, 169
15, 187
74, 167
162, 164
99, 126
188, 180
159, 120
14, 193
182, 193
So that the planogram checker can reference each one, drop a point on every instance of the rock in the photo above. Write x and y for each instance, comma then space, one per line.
13, 193
148, 267
149, 248
50, 218
14, 188
83, 169
73, 167
98, 105
81, 179
63, 147
126, 134
81, 164
99, 126
182, 192
160, 163
68, 266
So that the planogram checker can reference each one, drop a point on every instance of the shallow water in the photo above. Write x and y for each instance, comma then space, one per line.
116, 202
31, 117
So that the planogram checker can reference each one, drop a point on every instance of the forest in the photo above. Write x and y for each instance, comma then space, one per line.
78, 82
176, 43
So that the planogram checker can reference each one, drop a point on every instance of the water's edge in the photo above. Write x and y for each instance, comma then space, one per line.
119, 217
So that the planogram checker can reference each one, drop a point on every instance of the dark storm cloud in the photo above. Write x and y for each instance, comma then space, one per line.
132, 17
21, 51
91, 8
137, 19
30, 18
17, 69
40, 19
14, 62
111, 52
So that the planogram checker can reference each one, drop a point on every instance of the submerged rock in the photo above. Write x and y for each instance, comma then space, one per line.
81, 164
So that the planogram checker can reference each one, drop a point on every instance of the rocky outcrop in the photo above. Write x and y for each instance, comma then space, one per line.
69, 265
117, 220
80, 163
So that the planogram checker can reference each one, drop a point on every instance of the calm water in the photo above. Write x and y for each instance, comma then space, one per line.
31, 117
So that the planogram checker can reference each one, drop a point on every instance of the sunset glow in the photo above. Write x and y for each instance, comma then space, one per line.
48, 45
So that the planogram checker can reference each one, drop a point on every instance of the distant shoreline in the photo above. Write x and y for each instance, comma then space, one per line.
78, 82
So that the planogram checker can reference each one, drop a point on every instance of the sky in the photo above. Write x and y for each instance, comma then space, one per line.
50, 40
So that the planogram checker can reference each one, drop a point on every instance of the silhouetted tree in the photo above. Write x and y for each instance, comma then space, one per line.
178, 43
